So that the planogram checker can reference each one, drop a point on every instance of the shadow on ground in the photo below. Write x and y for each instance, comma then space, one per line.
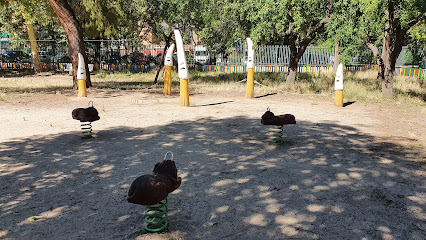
327, 182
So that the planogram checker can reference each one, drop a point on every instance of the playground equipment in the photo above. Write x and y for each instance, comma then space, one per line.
157, 216
250, 69
168, 63
338, 87
152, 190
182, 70
269, 118
81, 76
86, 116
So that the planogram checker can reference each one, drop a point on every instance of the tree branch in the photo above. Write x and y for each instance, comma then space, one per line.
311, 35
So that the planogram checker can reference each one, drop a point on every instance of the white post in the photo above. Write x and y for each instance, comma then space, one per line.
250, 69
168, 63
81, 76
338, 86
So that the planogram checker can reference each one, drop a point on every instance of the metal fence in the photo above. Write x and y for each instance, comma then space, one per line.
120, 51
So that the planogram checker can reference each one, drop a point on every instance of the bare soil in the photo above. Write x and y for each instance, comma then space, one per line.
356, 172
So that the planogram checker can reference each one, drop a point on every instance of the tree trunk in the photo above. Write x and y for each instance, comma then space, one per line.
293, 61
167, 39
292, 69
336, 57
387, 82
392, 46
74, 36
297, 53
34, 48
380, 63
389, 65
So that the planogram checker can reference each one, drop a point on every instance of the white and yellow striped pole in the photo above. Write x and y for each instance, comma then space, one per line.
81, 76
338, 87
182, 70
250, 69
168, 63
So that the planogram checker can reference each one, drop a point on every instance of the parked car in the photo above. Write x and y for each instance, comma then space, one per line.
125, 59
45, 56
202, 56
113, 57
64, 59
139, 58
15, 56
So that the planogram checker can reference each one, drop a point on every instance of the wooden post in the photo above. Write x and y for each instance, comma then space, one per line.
184, 93
250, 83
338, 98
168, 80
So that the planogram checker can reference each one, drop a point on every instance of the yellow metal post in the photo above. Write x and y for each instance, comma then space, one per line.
338, 98
82, 88
184, 93
168, 81
250, 83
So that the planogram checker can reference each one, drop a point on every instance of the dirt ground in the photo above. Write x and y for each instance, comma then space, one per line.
356, 172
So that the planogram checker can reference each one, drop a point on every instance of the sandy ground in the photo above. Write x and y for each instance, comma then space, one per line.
356, 172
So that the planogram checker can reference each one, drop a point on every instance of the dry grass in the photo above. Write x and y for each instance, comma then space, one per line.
359, 86
35, 83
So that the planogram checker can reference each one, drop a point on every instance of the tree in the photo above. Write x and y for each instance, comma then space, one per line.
161, 17
221, 23
100, 19
343, 32
389, 22
294, 22
74, 36
22, 16
400, 17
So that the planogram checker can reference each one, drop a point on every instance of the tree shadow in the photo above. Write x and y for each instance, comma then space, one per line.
348, 103
11, 73
123, 85
329, 182
412, 93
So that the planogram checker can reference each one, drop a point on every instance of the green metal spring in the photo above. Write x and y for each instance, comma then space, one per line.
86, 130
278, 140
156, 217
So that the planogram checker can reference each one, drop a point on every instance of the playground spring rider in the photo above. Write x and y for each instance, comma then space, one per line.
156, 216
268, 118
152, 190
86, 117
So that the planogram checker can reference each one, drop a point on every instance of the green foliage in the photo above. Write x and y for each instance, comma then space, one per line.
17, 13
418, 33
407, 58
161, 17
98, 18
264, 21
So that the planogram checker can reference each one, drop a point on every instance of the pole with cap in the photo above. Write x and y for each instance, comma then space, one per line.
250, 69
81, 76
338, 87
182, 70
168, 63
